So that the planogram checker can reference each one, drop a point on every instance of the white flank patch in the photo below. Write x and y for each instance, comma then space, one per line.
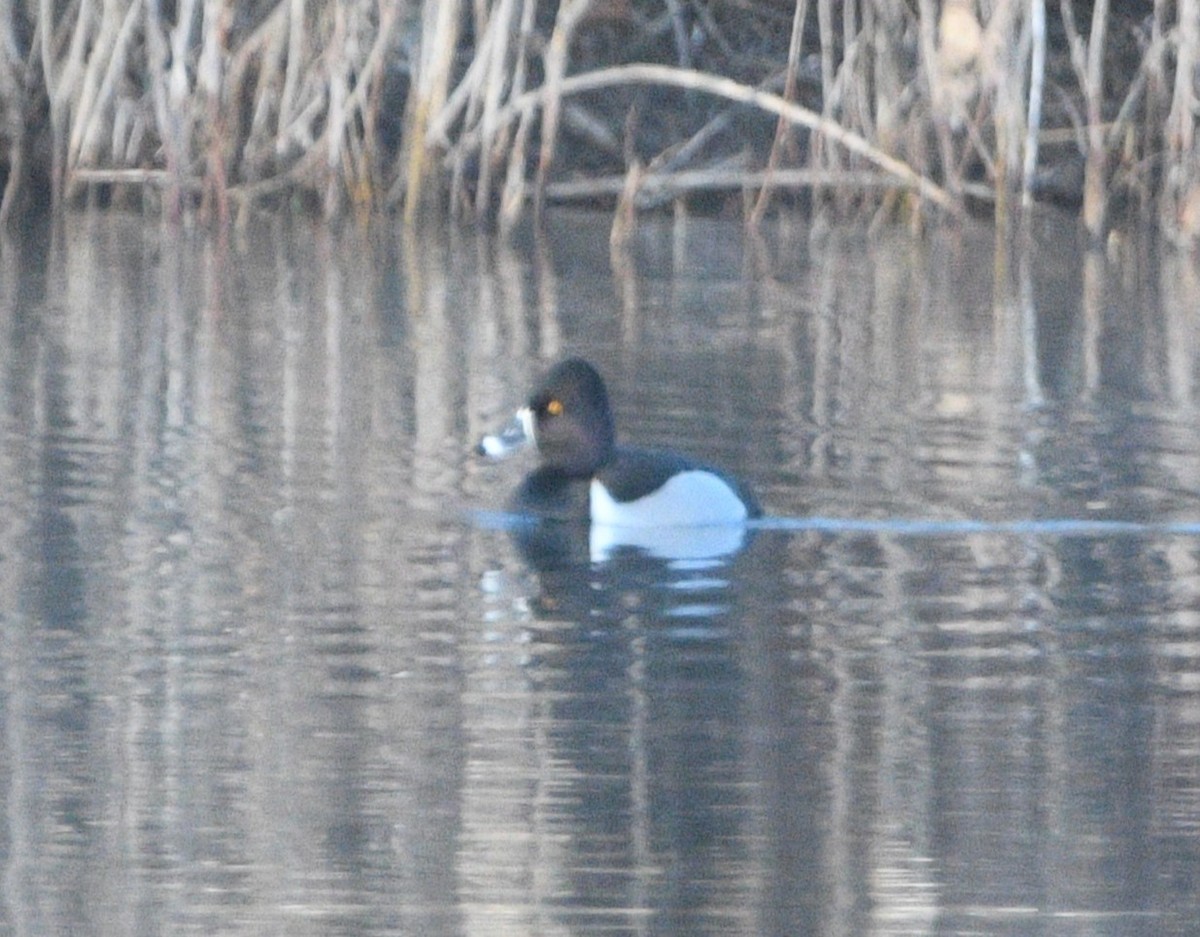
690, 499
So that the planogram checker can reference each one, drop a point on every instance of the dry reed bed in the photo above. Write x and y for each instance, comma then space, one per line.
493, 106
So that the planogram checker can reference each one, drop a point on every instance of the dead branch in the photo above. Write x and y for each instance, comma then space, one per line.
734, 91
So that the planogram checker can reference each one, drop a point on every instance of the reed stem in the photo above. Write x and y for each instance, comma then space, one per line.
496, 105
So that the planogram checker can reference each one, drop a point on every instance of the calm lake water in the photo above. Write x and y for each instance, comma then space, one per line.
274, 659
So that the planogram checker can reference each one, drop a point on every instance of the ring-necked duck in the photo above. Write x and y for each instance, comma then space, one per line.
584, 473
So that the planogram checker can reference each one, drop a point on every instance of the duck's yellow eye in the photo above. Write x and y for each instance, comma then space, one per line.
554, 407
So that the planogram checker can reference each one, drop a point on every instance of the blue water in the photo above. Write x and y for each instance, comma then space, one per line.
910, 527
275, 658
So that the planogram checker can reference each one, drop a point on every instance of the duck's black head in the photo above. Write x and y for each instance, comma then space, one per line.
571, 420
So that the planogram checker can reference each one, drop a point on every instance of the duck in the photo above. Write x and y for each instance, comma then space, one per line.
584, 473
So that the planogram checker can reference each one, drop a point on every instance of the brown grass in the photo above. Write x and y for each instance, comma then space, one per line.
498, 107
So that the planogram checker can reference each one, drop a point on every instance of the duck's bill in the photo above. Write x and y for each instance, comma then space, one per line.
516, 435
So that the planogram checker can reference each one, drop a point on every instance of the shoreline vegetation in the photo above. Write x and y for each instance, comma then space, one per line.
497, 108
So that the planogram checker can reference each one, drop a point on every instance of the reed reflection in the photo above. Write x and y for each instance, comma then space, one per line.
264, 669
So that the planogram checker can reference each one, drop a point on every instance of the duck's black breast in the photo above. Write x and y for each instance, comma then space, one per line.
550, 493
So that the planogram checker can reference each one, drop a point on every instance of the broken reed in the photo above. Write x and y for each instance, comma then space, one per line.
376, 103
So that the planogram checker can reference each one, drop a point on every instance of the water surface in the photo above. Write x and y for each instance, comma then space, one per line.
273, 657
